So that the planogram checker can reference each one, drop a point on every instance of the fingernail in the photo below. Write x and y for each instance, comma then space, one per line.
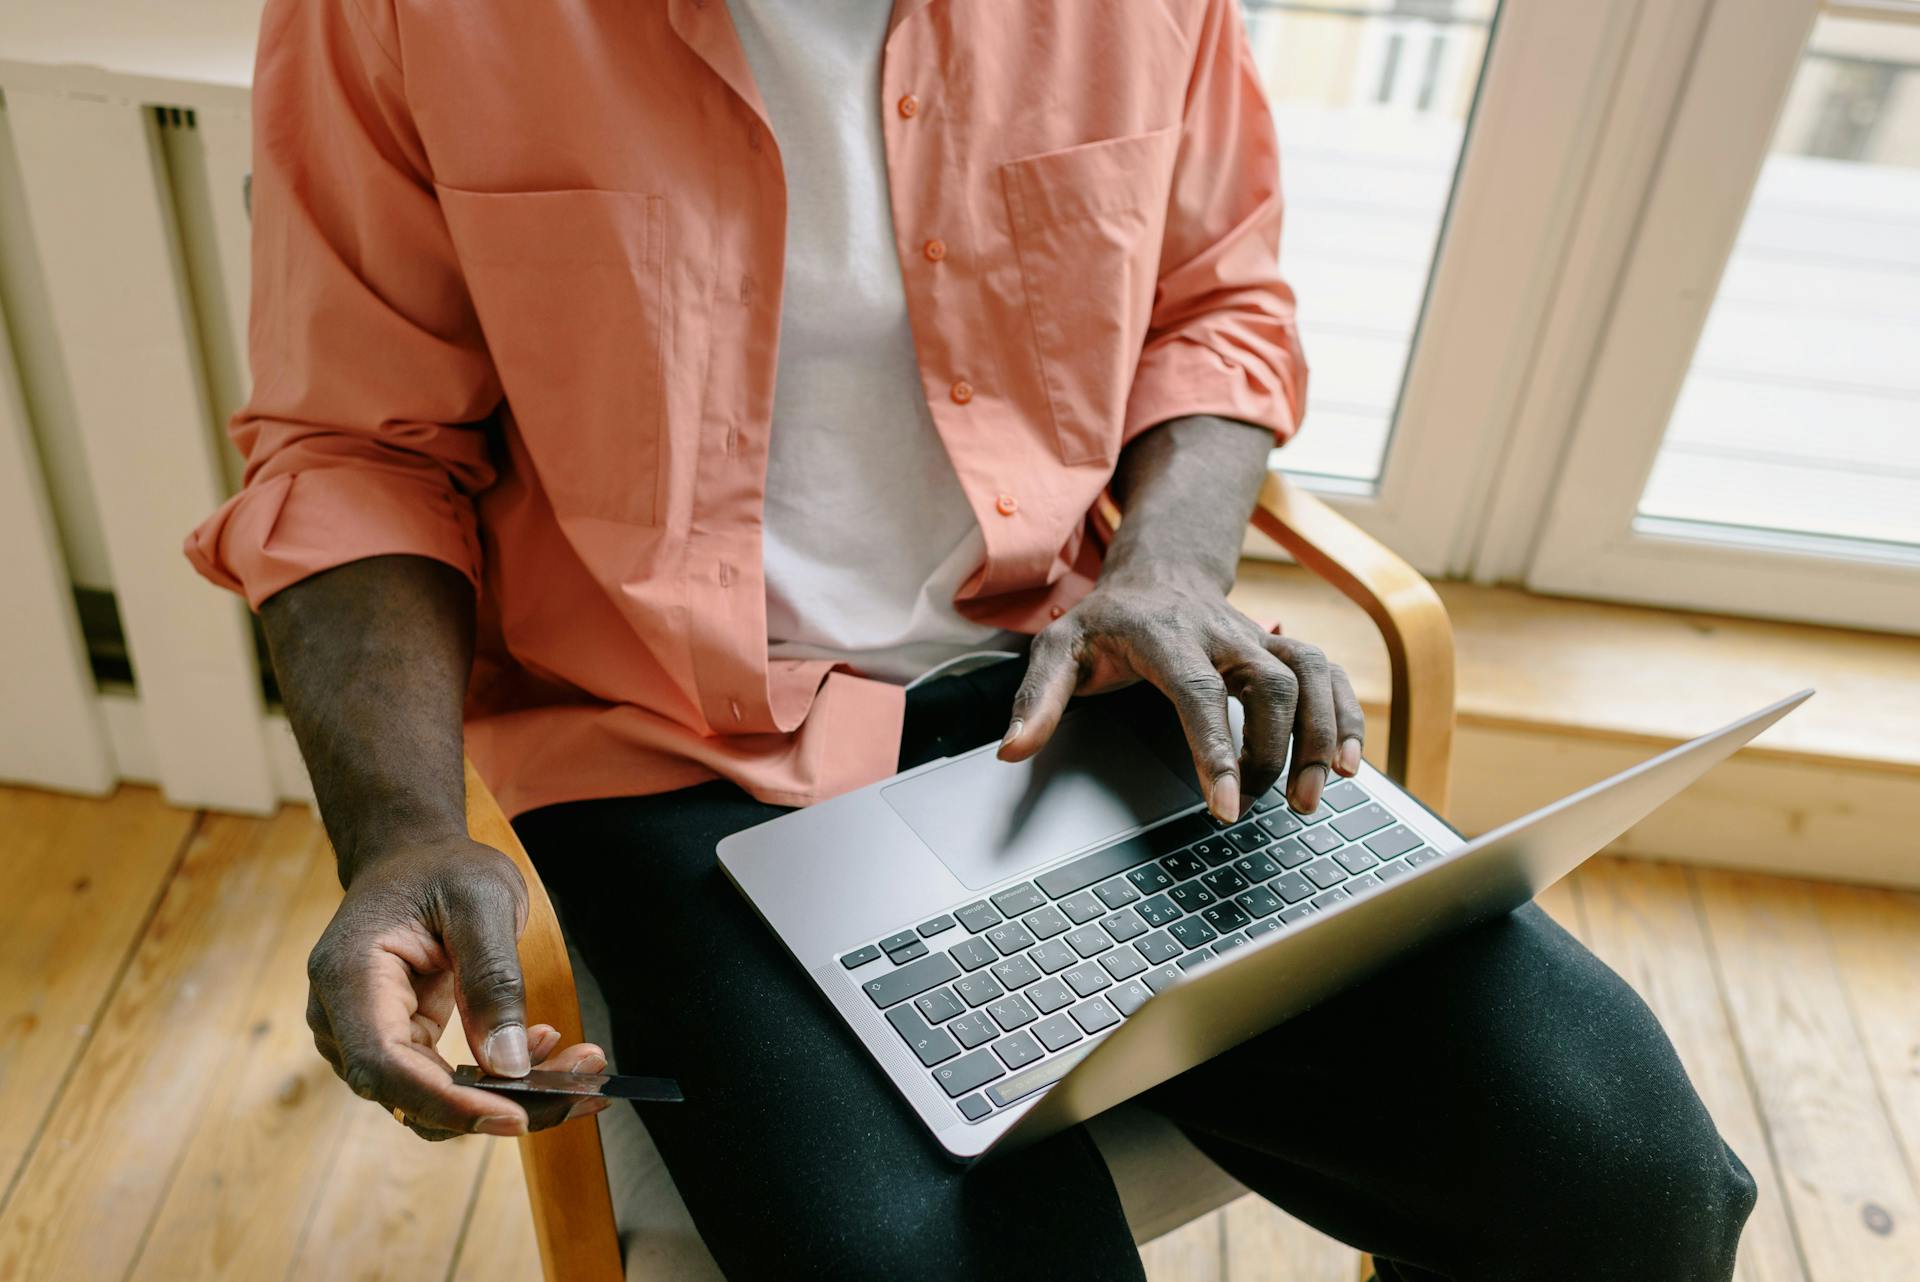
588, 1107
506, 1051
1306, 789
502, 1125
1350, 757
1226, 798
1013, 731
592, 1064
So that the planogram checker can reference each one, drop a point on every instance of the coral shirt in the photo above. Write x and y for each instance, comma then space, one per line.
517, 274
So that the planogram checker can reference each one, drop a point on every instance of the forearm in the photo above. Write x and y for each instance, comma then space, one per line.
372, 659
1186, 490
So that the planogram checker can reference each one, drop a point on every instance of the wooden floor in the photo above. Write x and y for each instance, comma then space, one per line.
163, 1114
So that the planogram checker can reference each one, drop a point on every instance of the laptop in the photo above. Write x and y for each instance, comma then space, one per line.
1023, 946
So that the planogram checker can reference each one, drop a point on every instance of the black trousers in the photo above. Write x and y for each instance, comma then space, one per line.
1502, 1106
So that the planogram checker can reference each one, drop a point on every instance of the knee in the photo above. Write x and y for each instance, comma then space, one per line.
1664, 1206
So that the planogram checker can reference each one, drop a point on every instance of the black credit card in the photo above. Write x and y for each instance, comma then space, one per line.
657, 1090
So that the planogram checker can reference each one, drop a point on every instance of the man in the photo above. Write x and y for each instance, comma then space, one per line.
673, 380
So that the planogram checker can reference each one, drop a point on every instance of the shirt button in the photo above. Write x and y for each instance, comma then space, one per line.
962, 392
1006, 505
1055, 611
909, 105
935, 250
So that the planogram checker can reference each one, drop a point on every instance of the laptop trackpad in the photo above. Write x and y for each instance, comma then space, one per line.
987, 819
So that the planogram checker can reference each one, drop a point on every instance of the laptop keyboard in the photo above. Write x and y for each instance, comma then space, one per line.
1000, 997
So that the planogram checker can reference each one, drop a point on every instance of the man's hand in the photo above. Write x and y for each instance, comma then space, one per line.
421, 930
1179, 633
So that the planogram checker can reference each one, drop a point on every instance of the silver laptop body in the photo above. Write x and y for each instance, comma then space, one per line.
1023, 946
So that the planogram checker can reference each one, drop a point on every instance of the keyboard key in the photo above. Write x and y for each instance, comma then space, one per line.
932, 1045
1320, 840
972, 954
1256, 867
900, 956
1397, 840
1216, 850
1150, 879
894, 943
1195, 957
1248, 837
1192, 932
1367, 882
1258, 902
1225, 882
1229, 942
911, 980
1049, 995
1036, 1078
1157, 911
1160, 978
1094, 1015
1158, 947
1018, 1051
1356, 859
1082, 908
1123, 926
1343, 794
1422, 856
1046, 922
1324, 873
1011, 937
1130, 997
1280, 823
1122, 963
1225, 917
1018, 899
968, 1073
977, 916
938, 1006
1337, 895
1389, 872
934, 927
1272, 798
1120, 856
1292, 887
978, 990
1016, 972
1184, 864
1260, 928
861, 956
1117, 893
1012, 1011
1291, 853
1089, 940
973, 1029
1056, 1033
1361, 820
1191, 896
1053, 956
1319, 815
1296, 914
975, 1107
1087, 979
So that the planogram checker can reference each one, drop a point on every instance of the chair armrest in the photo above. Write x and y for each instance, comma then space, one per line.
566, 1173
1406, 609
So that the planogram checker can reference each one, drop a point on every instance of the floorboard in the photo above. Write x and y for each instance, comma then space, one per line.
498, 1245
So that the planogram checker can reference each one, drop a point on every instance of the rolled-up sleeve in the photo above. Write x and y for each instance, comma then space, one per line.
371, 383
1222, 339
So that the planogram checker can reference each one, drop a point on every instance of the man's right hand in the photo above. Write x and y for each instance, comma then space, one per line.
425, 927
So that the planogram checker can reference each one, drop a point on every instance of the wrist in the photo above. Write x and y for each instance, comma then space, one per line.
379, 840
1182, 574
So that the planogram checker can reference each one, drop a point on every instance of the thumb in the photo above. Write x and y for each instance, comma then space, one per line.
1053, 673
490, 992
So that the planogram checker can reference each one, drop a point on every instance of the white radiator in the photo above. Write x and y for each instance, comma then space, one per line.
123, 286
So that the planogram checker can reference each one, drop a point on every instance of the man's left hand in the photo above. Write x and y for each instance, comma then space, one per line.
1178, 632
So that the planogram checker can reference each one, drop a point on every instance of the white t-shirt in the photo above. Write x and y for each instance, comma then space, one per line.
867, 532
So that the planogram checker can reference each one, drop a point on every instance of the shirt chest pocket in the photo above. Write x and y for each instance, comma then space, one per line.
570, 287
1087, 224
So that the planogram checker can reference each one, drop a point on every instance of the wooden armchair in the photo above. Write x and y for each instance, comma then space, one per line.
1164, 1182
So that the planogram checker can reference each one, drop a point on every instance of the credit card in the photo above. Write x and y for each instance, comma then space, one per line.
657, 1090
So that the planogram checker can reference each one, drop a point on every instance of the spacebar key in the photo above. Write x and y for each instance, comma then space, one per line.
1021, 1085
911, 980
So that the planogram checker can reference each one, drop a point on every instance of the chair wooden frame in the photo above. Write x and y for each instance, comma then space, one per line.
566, 1176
